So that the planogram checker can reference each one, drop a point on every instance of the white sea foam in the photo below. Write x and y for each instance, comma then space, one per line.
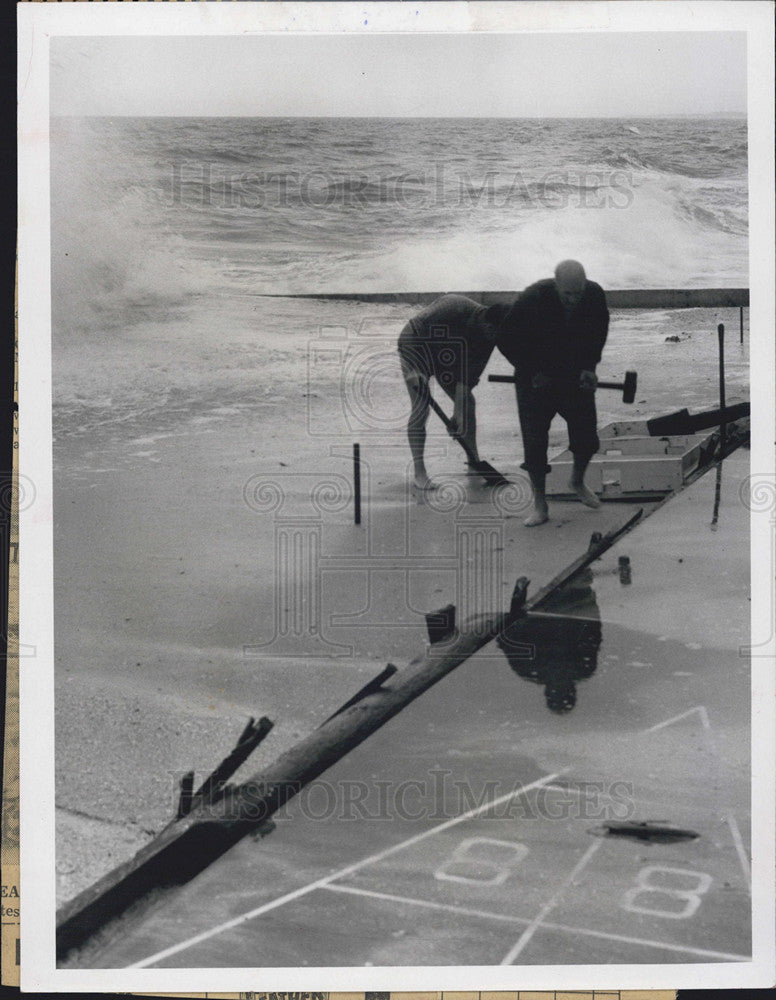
150, 212
165, 230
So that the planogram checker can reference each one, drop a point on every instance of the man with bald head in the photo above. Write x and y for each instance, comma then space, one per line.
554, 335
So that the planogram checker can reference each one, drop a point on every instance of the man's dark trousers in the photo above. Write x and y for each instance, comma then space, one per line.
537, 407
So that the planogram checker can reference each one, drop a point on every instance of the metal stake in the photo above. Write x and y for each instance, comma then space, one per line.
723, 421
357, 483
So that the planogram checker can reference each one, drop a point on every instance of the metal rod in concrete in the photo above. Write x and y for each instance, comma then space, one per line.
723, 421
717, 497
357, 483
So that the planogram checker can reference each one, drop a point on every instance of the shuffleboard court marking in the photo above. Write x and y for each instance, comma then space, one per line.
546, 925
691, 898
342, 873
390, 897
741, 851
464, 853
700, 709
577, 791
529, 932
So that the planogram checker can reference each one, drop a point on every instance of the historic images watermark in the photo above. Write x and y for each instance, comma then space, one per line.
307, 507
433, 796
758, 494
194, 183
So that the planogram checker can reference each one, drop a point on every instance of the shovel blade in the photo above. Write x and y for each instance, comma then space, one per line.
491, 476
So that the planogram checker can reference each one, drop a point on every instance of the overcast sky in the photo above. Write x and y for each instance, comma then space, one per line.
407, 75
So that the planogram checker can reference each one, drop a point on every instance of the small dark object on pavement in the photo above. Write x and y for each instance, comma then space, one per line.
652, 830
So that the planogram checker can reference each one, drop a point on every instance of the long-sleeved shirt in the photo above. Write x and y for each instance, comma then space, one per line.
538, 335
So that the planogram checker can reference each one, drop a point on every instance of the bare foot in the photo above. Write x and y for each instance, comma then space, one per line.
537, 516
588, 498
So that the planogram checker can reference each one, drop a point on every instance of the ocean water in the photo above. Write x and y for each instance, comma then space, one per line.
149, 213
166, 232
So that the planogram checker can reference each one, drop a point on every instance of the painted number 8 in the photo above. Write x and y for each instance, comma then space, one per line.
482, 861
650, 884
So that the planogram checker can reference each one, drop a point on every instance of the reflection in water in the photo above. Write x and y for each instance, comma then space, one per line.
563, 650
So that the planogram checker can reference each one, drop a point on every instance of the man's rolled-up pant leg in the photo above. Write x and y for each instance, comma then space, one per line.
578, 410
536, 408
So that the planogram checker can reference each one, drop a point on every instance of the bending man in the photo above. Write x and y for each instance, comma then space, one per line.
452, 340
554, 336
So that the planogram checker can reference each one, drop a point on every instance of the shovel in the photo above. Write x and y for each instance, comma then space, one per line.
491, 476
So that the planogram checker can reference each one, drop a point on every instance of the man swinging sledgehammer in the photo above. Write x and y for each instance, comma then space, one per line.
452, 340
554, 335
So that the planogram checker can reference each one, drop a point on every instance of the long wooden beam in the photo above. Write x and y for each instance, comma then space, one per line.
625, 298
185, 847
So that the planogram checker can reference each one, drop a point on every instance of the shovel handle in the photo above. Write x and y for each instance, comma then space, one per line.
485, 469
448, 424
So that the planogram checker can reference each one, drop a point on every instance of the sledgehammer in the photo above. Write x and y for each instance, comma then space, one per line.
628, 386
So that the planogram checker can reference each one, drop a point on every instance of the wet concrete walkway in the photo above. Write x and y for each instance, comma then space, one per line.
472, 828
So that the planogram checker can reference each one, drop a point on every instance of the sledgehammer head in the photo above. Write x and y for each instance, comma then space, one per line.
629, 387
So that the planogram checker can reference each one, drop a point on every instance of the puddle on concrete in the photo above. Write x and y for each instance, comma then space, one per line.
557, 652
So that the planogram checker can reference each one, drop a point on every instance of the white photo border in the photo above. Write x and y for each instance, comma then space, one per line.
38, 24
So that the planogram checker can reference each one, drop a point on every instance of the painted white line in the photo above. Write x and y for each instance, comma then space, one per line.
700, 709
529, 932
576, 791
684, 949
319, 883
548, 925
389, 897
741, 851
